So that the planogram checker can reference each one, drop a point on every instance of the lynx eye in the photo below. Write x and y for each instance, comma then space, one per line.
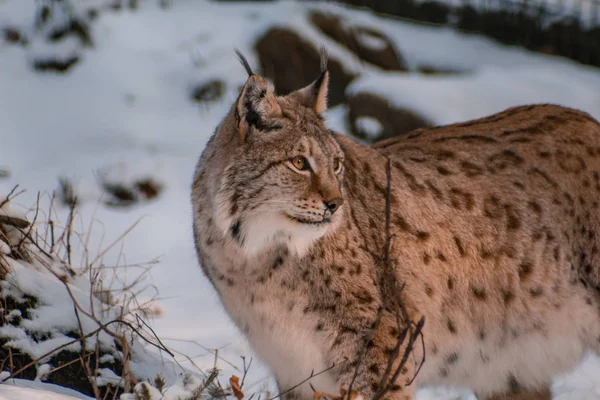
300, 163
337, 165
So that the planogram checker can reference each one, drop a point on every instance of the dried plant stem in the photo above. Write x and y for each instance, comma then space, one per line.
391, 300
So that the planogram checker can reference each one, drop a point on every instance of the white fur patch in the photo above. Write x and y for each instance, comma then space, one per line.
263, 229
292, 349
285, 339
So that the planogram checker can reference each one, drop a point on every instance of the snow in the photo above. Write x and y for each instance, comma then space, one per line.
370, 126
337, 119
4, 248
15, 393
106, 377
490, 78
19, 389
43, 371
124, 112
449, 99
371, 41
53, 301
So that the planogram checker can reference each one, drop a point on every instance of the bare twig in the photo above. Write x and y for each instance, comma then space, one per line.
163, 347
14, 221
58, 244
365, 348
210, 351
73, 361
312, 375
117, 240
246, 369
69, 229
11, 195
97, 321
33, 221
392, 290
391, 300
50, 224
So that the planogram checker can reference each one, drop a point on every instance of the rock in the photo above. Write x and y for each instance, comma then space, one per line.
208, 92
372, 118
292, 62
13, 35
426, 69
55, 64
367, 43
126, 194
75, 27
148, 188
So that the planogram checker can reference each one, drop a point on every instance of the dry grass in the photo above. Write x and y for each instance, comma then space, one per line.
46, 243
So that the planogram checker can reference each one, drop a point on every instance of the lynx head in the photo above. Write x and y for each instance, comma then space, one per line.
282, 169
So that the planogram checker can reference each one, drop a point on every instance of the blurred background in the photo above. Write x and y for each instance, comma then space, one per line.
107, 104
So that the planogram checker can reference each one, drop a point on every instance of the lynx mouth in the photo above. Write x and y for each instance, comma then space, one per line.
309, 222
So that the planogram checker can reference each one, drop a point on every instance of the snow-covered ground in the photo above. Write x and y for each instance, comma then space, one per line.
19, 389
125, 111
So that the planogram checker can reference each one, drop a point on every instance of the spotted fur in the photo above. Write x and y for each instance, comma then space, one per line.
495, 227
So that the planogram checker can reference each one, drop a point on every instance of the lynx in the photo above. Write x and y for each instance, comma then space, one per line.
494, 236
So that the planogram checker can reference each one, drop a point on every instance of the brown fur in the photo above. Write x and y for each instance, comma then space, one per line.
495, 233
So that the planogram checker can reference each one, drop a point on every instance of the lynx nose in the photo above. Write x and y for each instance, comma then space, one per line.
334, 204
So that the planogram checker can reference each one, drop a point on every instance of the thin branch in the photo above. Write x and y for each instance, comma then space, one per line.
391, 300
14, 221
11, 195
312, 375
93, 317
73, 361
164, 348
422, 360
366, 343
69, 229
210, 351
33, 221
246, 369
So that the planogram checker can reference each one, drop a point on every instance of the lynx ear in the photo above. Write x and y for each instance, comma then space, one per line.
256, 105
315, 95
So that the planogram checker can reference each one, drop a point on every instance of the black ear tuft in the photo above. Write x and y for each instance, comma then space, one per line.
323, 52
319, 82
315, 95
245, 62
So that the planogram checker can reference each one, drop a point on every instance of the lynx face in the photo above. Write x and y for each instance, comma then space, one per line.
282, 182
